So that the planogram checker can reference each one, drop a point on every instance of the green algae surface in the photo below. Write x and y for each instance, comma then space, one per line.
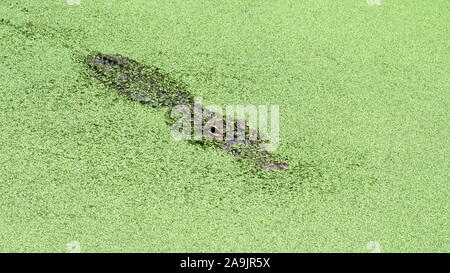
364, 120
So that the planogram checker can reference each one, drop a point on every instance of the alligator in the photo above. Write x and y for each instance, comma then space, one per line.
150, 86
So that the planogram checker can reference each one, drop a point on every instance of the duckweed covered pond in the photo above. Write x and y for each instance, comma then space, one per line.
362, 91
